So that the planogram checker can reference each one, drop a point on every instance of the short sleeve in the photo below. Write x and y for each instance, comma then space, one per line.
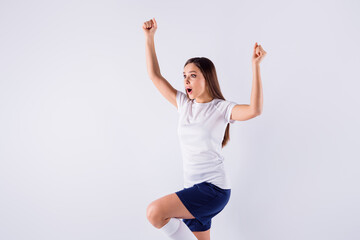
229, 105
181, 99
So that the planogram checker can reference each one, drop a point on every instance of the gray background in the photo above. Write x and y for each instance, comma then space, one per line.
87, 141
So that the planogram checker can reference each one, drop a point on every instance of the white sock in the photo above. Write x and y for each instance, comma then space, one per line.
178, 230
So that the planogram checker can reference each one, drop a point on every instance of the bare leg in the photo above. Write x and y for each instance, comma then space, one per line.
205, 235
161, 210
166, 212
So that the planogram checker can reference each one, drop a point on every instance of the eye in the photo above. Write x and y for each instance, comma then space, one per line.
193, 75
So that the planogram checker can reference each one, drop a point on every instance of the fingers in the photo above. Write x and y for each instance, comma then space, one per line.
262, 50
151, 23
259, 52
258, 48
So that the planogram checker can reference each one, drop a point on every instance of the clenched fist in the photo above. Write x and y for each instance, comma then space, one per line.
150, 27
258, 54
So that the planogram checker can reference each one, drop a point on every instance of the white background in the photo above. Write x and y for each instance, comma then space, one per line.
87, 141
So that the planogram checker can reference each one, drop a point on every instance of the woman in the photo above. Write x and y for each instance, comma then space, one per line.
204, 119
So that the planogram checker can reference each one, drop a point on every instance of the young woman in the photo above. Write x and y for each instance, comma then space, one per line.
204, 119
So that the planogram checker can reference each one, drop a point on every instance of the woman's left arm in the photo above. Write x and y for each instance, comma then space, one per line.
256, 101
242, 112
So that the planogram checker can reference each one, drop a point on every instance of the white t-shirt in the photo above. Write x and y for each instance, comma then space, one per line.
201, 131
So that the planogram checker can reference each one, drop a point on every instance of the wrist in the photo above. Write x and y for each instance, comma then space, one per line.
255, 64
149, 37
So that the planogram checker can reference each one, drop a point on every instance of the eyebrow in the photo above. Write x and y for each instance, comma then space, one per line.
190, 71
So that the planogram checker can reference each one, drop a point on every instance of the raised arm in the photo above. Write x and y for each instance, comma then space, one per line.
153, 68
242, 112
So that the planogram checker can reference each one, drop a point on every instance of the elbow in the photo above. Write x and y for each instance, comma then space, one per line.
257, 113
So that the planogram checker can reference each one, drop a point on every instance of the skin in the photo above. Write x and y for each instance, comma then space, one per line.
161, 210
194, 79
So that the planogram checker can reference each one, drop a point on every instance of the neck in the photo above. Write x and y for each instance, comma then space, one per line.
204, 99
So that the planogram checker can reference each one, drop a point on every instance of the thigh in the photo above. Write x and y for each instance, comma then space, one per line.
204, 235
204, 200
170, 206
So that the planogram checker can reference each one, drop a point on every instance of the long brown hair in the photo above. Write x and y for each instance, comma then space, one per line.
207, 68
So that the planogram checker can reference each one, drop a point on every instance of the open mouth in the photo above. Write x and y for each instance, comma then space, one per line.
189, 90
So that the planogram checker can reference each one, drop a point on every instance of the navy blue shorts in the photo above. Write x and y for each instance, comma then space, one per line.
203, 200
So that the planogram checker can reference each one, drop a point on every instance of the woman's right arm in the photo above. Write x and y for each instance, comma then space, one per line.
151, 59
153, 68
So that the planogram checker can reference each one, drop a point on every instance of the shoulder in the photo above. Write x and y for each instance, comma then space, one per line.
180, 94
222, 105
181, 99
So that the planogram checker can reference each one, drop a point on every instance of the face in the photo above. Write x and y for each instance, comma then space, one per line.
194, 80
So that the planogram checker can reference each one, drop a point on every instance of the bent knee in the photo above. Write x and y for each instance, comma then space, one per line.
154, 215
